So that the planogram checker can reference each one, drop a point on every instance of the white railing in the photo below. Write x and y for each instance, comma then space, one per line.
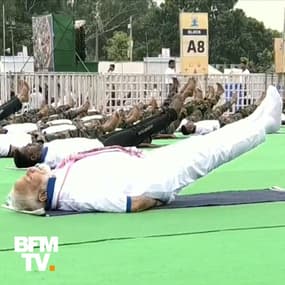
117, 90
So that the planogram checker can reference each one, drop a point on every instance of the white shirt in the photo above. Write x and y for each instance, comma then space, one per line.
169, 75
92, 117
202, 127
37, 99
56, 151
96, 183
21, 128
15, 139
206, 126
59, 122
58, 128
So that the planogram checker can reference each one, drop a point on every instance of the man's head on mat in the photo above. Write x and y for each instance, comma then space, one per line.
28, 155
188, 128
29, 192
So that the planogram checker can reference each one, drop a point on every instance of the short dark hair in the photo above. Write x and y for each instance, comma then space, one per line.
171, 61
21, 160
244, 60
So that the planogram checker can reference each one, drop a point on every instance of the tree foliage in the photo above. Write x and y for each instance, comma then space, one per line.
117, 47
231, 33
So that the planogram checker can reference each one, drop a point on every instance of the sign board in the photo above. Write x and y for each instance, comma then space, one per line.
279, 58
194, 43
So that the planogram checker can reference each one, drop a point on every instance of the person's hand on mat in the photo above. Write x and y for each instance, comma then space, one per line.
24, 91
141, 203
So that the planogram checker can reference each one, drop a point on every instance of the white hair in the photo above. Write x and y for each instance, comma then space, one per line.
21, 202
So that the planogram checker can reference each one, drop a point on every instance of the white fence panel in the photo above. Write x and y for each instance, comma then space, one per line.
111, 91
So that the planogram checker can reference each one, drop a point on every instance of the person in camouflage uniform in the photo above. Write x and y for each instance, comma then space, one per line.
189, 127
49, 113
34, 115
26, 117
188, 91
238, 115
91, 131
102, 128
201, 108
217, 112
193, 110
63, 112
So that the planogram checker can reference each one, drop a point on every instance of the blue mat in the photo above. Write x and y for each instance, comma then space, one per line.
224, 198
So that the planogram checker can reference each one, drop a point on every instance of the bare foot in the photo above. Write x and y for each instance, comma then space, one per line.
211, 92
220, 89
188, 89
191, 83
24, 91
112, 123
85, 106
198, 94
153, 103
43, 112
134, 115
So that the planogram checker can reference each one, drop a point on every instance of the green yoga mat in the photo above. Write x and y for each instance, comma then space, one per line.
209, 245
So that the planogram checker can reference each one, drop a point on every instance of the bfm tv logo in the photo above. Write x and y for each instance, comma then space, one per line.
26, 246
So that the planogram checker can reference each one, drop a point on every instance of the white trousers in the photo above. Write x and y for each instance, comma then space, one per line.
173, 167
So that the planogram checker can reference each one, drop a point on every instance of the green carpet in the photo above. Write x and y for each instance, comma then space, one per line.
260, 168
212, 245
229, 258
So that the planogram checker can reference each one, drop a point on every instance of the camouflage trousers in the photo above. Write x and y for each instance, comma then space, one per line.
69, 115
247, 110
196, 115
214, 114
171, 128
92, 131
27, 117
32, 116
56, 111
238, 115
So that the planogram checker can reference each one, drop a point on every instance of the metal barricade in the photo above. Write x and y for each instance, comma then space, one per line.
109, 92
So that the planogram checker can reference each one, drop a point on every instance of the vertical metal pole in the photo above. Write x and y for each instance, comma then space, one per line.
13, 50
4, 29
96, 42
283, 44
283, 56
97, 18
131, 38
4, 48
146, 42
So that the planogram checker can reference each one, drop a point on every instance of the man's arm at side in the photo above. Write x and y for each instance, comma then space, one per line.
141, 203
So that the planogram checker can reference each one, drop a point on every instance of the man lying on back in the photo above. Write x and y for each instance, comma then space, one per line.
96, 181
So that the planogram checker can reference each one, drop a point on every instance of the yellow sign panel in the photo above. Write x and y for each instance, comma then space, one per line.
279, 57
194, 43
